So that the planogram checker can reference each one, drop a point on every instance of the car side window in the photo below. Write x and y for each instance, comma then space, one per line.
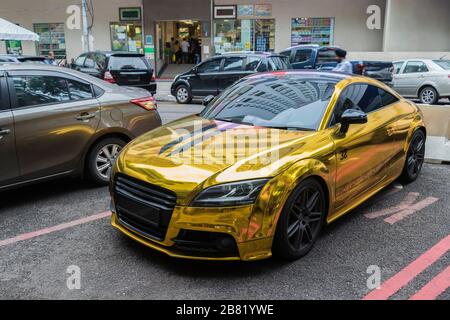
252, 63
357, 96
386, 98
286, 53
79, 90
415, 67
233, 64
90, 62
39, 90
302, 55
80, 60
100, 59
397, 67
209, 66
326, 56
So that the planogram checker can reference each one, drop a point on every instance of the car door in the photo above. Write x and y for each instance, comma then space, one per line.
203, 81
232, 71
410, 78
9, 169
364, 153
55, 116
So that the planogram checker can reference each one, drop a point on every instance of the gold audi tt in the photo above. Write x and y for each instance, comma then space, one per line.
265, 165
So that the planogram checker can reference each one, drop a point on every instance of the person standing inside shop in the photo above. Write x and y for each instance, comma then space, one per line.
343, 65
185, 50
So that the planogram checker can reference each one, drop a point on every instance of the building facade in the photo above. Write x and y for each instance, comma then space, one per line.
373, 29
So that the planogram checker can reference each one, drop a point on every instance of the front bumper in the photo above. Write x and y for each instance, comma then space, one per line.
234, 222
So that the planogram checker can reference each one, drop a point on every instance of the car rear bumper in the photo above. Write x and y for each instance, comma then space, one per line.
151, 87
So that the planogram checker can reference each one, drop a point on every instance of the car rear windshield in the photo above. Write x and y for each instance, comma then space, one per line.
284, 102
444, 64
128, 63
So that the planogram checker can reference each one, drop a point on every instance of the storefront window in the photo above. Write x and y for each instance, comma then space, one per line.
52, 38
312, 31
126, 37
244, 35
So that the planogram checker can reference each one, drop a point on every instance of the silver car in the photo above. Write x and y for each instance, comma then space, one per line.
57, 122
428, 80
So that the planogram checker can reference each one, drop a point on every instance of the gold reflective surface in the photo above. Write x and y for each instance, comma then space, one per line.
351, 166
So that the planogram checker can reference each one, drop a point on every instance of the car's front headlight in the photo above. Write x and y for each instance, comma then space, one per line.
230, 194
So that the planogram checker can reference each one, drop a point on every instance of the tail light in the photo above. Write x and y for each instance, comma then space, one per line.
109, 77
153, 77
361, 68
148, 103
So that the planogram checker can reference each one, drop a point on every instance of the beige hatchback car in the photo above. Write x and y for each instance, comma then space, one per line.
58, 122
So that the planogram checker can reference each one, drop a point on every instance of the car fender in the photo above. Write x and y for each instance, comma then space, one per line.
181, 82
277, 191
427, 83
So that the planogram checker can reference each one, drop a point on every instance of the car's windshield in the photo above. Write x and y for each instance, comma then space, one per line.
444, 64
286, 102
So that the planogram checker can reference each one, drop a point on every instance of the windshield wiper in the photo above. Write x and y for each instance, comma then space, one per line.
290, 128
233, 120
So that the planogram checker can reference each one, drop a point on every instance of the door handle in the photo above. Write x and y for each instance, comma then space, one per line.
85, 116
4, 132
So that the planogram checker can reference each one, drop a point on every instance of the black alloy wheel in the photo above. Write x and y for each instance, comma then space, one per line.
301, 221
414, 158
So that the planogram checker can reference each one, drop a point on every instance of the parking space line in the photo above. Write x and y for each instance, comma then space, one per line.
402, 278
411, 210
70, 224
435, 287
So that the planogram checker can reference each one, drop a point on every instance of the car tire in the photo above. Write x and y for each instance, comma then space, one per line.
428, 95
414, 158
183, 94
300, 223
100, 159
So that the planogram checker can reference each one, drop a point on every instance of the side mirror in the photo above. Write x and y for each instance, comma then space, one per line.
207, 100
194, 70
352, 116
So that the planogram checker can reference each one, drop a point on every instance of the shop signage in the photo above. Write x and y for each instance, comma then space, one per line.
225, 12
263, 10
130, 14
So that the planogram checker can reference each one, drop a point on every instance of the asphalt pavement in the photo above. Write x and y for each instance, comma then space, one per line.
51, 228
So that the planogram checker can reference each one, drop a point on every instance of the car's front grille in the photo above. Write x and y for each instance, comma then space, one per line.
143, 207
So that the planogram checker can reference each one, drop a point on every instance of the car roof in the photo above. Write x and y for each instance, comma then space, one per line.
115, 53
26, 66
337, 76
243, 53
311, 46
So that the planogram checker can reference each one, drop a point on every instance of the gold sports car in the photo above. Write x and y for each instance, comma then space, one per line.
265, 165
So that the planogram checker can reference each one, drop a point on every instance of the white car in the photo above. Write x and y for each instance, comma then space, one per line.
428, 80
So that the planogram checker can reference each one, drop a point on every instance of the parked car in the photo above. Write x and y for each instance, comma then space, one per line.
265, 165
56, 122
428, 80
324, 58
122, 68
20, 58
218, 73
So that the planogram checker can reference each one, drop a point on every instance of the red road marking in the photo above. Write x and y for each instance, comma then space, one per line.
435, 287
37, 233
401, 279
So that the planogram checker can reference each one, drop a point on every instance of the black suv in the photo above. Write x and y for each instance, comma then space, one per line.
216, 74
122, 68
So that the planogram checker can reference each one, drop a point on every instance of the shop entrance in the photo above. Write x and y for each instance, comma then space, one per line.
178, 46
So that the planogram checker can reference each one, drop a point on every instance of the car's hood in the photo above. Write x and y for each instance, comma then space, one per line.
190, 152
